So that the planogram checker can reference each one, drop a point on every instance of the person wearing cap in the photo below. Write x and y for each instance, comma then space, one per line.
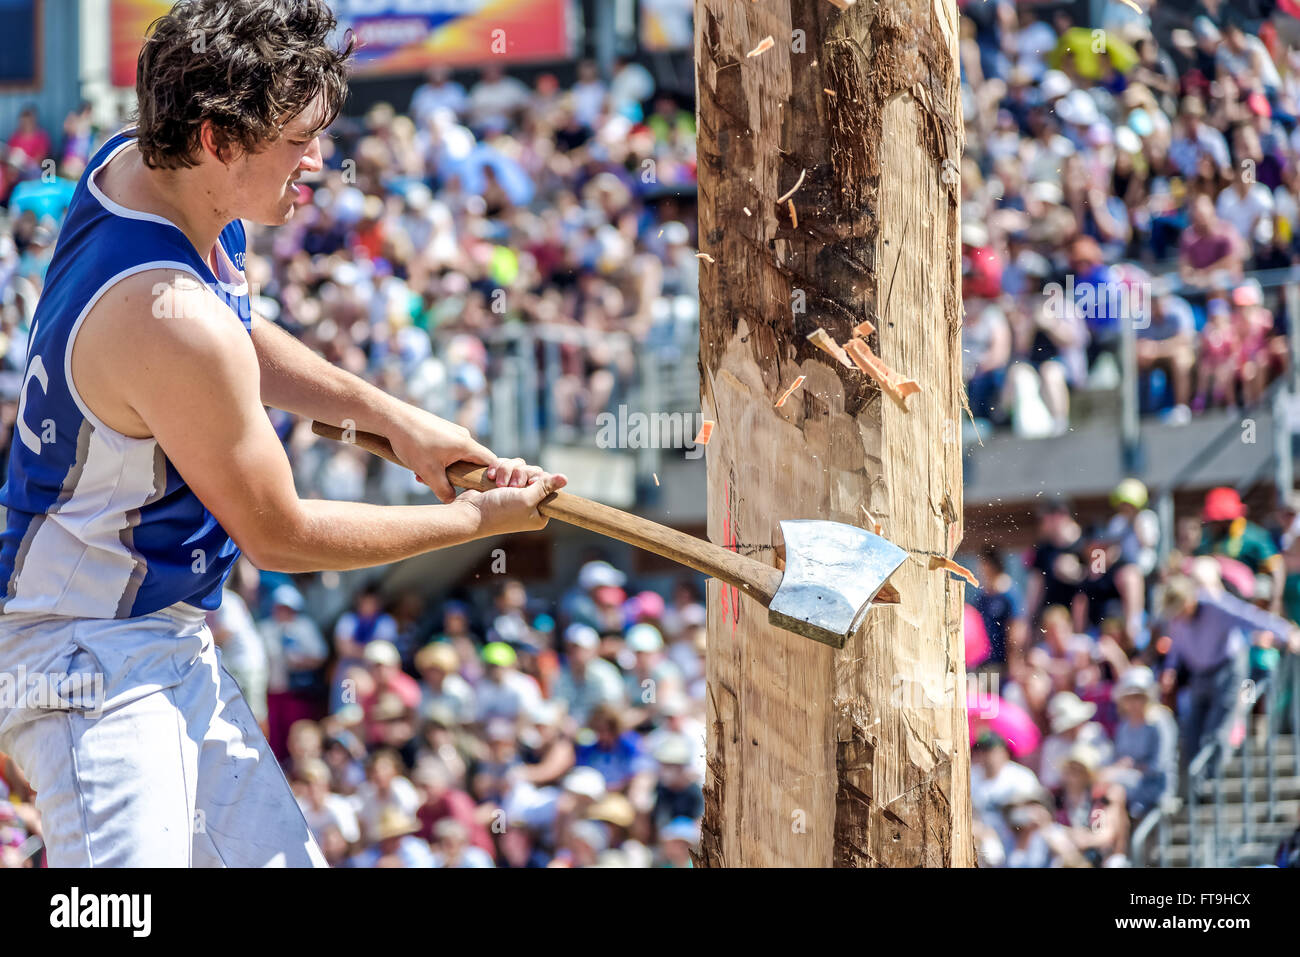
1071, 722
579, 606
1206, 629
1146, 743
586, 680
678, 792
391, 684
441, 683
296, 653
1227, 531
653, 673
676, 839
504, 691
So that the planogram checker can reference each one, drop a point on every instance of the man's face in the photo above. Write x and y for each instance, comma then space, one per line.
263, 183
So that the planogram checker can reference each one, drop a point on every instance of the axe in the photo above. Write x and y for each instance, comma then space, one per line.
833, 572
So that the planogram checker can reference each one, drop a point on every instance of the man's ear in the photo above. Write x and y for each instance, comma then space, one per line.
212, 143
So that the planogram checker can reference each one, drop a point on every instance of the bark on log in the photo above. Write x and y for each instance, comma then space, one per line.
819, 757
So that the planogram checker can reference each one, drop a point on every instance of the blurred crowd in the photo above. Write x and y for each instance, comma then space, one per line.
447, 245
1101, 671
518, 733
1114, 174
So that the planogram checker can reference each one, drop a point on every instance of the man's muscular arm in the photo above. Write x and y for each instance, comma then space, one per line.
195, 387
298, 380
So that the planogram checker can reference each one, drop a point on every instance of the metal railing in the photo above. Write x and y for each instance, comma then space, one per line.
1215, 846
526, 360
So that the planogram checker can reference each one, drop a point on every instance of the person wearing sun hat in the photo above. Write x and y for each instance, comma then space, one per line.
1072, 724
1228, 532
1145, 742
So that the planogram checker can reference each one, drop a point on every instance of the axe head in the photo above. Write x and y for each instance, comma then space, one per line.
832, 573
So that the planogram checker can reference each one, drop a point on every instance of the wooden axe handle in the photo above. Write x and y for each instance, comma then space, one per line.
757, 580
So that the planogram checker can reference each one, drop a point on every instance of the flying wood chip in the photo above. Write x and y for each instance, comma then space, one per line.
864, 328
705, 256
764, 45
822, 340
866, 360
947, 564
794, 217
706, 433
786, 394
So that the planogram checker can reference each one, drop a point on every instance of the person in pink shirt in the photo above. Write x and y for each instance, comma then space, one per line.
385, 666
33, 141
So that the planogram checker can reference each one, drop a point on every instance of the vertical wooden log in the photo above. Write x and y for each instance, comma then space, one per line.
818, 757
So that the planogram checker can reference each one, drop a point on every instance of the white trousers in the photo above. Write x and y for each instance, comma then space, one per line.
162, 766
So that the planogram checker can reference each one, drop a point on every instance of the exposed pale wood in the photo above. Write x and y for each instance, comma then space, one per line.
821, 757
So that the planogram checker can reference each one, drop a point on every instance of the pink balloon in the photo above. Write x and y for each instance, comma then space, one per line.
976, 637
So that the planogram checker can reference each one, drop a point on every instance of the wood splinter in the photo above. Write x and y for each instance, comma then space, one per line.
786, 394
706, 433
822, 340
705, 256
947, 564
794, 217
864, 328
866, 360
764, 45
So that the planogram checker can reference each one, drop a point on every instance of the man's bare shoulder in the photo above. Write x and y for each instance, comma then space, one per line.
164, 309
153, 332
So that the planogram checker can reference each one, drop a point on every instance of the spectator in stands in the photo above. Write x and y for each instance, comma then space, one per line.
1055, 569
1227, 531
1209, 246
586, 680
1206, 642
1071, 724
296, 654
997, 782
1167, 344
998, 602
441, 684
1145, 743
504, 691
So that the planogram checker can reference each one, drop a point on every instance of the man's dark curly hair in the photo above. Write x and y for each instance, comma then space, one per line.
248, 66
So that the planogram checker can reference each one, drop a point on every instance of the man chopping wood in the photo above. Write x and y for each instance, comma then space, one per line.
144, 461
